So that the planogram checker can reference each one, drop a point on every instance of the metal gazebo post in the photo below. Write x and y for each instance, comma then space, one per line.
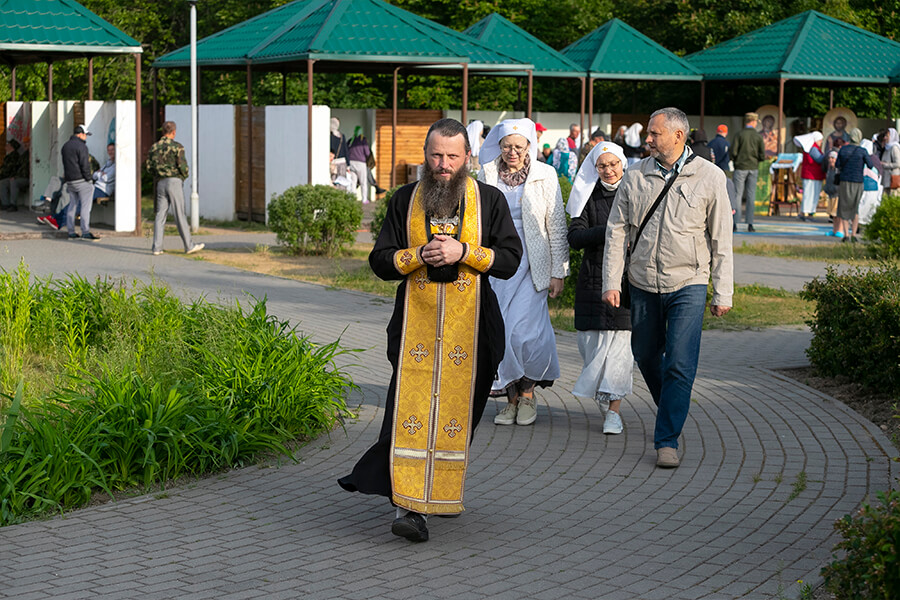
309, 120
195, 197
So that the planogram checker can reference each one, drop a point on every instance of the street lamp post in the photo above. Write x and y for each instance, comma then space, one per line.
195, 197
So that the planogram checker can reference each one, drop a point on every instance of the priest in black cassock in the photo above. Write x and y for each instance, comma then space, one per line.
441, 238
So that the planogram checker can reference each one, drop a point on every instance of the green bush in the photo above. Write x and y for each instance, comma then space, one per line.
856, 325
885, 225
139, 388
315, 219
381, 211
870, 568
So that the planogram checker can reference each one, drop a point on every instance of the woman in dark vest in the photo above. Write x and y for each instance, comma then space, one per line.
604, 332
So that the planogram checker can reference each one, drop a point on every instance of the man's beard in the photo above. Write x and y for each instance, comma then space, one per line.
441, 197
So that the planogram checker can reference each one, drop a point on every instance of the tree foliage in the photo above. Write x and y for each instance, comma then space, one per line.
682, 26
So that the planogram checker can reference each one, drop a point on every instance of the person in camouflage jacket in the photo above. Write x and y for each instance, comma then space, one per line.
168, 165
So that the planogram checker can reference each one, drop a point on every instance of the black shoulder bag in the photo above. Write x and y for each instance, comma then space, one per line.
626, 300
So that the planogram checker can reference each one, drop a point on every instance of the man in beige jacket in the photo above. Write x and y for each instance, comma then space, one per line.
674, 251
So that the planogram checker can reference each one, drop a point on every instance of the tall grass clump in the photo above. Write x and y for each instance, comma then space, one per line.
120, 388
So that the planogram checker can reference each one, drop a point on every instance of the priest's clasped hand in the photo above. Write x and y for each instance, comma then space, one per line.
442, 250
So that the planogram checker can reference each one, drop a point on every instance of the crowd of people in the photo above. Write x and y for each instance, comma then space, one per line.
477, 260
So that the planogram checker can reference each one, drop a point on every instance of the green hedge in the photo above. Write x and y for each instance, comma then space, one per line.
870, 566
856, 326
885, 225
315, 219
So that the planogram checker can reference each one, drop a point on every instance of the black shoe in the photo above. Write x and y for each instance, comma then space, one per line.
379, 190
802, 217
90, 237
73, 236
410, 526
750, 228
12, 208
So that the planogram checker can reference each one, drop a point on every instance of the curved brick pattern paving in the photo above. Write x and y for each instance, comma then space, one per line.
555, 510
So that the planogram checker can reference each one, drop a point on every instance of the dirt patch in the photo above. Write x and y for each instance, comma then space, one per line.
881, 409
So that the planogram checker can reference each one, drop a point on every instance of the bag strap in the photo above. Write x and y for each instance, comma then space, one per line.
659, 200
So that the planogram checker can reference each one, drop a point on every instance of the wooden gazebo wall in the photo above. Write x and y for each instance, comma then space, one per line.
412, 125
259, 163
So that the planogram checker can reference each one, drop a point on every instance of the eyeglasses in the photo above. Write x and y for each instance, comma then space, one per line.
510, 149
605, 166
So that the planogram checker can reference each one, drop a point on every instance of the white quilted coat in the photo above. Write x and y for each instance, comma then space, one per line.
543, 219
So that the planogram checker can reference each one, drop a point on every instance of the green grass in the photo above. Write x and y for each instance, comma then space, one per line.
755, 306
864, 254
120, 388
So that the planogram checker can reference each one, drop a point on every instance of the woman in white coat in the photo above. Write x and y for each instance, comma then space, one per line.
509, 162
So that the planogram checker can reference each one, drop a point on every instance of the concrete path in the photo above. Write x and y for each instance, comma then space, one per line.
555, 510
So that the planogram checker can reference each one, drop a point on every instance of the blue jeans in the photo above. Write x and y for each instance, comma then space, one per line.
665, 340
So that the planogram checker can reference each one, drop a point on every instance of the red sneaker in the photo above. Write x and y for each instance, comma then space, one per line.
51, 222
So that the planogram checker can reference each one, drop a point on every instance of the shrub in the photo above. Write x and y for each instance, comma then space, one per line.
870, 568
885, 225
315, 219
856, 325
381, 211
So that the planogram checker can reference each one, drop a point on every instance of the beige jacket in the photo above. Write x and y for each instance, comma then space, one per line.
687, 238
544, 222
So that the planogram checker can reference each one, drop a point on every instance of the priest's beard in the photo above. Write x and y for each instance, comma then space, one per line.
441, 198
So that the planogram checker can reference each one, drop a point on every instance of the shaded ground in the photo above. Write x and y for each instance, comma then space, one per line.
881, 409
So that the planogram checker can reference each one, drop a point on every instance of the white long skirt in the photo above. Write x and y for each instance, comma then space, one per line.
608, 364
530, 341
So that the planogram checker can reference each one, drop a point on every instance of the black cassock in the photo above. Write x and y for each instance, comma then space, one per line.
371, 475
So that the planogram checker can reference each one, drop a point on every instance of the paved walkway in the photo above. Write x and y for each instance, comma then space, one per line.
556, 510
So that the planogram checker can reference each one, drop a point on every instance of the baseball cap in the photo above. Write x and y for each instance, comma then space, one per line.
82, 129
723, 129
539, 127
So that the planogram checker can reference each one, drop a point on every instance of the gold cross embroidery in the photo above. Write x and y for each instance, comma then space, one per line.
458, 355
419, 352
452, 428
412, 424
421, 280
462, 282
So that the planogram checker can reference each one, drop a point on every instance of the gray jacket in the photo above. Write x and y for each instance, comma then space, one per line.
687, 239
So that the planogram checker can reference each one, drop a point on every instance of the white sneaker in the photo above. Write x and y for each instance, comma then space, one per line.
507, 416
527, 411
196, 248
613, 423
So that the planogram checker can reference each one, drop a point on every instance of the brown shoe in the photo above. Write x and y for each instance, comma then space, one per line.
667, 458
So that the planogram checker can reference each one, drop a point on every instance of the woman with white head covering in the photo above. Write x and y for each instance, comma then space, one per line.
509, 162
872, 189
563, 160
890, 160
811, 171
604, 332
633, 148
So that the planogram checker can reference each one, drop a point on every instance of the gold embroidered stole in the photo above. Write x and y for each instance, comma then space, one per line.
436, 374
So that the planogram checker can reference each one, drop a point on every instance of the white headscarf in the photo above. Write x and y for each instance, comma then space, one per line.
474, 129
633, 135
335, 127
807, 140
893, 138
868, 145
490, 150
587, 176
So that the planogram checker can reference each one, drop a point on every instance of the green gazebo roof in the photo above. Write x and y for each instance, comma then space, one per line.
359, 31
512, 40
808, 46
617, 51
32, 30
